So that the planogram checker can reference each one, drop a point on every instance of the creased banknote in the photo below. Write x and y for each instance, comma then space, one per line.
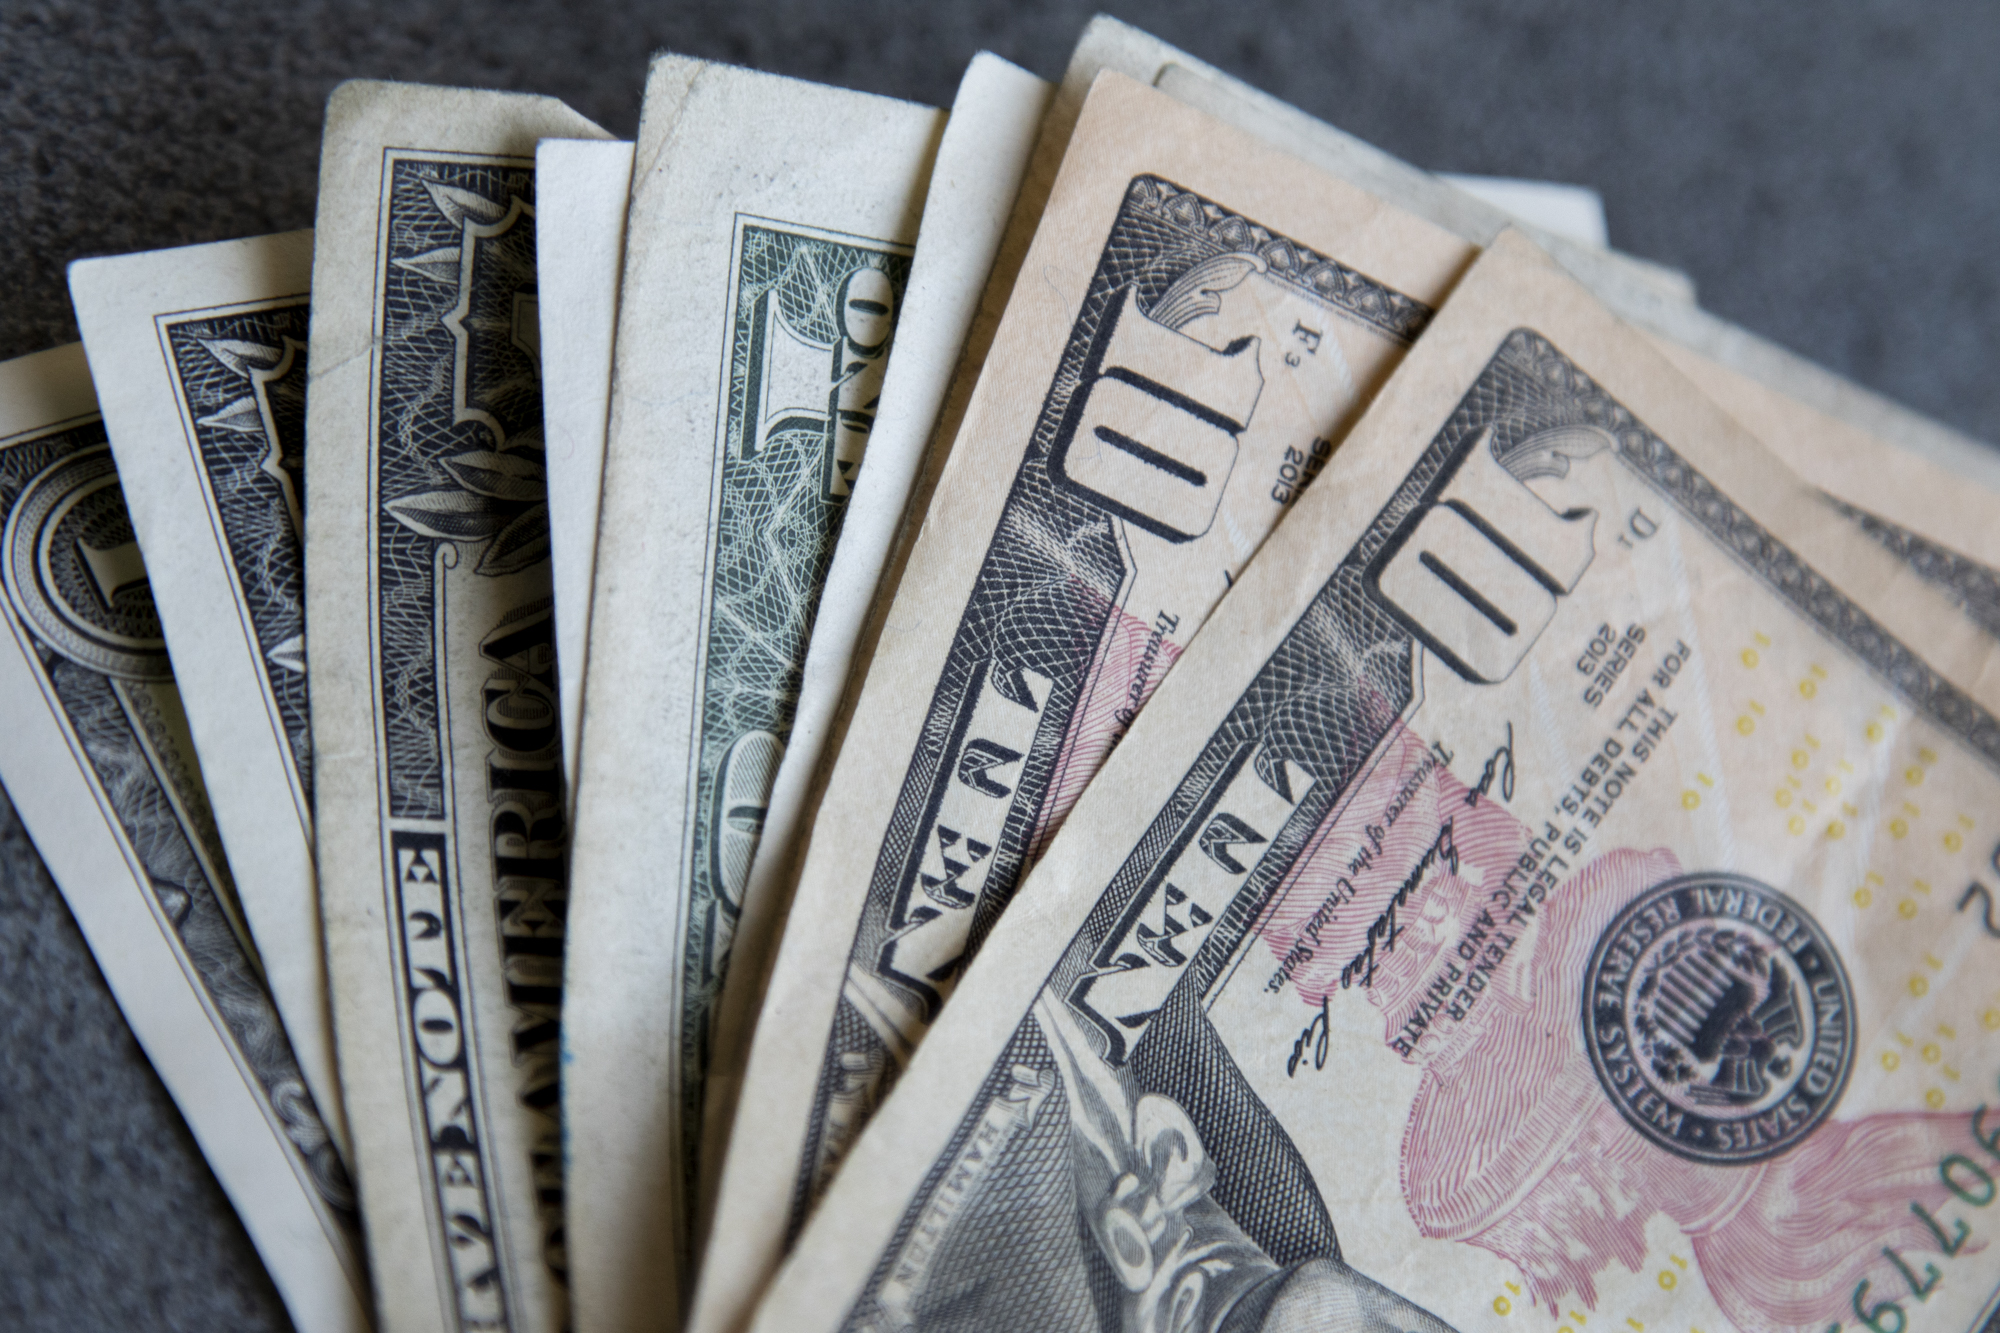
1828, 429
1925, 495
980, 159
1555, 889
438, 782
1206, 318
994, 124
768, 252
99, 762
200, 359
579, 254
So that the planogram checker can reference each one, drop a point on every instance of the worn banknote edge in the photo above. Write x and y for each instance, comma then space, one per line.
1797, 377
820, 1281
579, 252
959, 514
603, 1230
1108, 43
1933, 517
848, 169
581, 243
139, 315
419, 1280
310, 1248
1005, 111
980, 159
1631, 289
1644, 293
1573, 212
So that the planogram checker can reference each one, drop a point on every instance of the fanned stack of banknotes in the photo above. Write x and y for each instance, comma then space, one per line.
1110, 710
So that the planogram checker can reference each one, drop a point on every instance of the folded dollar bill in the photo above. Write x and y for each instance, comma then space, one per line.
1207, 316
1537, 894
579, 255
100, 764
441, 823
199, 355
980, 159
768, 250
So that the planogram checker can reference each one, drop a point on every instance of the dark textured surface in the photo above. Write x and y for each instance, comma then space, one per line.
1829, 177
111, 1219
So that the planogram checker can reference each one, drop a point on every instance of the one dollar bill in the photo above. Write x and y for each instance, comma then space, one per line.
980, 159
200, 355
99, 762
767, 258
1557, 885
442, 833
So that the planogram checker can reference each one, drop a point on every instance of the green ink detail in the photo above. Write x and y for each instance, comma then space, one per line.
811, 316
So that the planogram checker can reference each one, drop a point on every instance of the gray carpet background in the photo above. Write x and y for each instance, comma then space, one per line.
1830, 176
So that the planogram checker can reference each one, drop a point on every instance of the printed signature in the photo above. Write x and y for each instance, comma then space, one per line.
1311, 1043
1499, 768
1382, 931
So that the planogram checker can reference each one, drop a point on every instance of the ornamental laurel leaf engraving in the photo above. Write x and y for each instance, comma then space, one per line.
449, 516
501, 496
522, 543
500, 476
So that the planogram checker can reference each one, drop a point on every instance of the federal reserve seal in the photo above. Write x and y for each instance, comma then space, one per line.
1719, 1018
